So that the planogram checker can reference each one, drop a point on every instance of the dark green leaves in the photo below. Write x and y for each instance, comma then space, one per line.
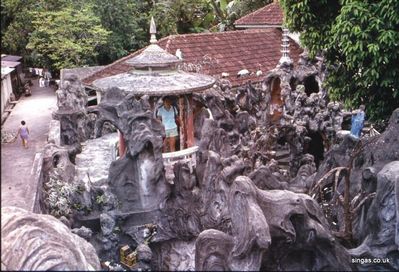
66, 38
360, 39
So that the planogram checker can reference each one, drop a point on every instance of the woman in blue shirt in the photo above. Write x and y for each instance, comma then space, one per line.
168, 114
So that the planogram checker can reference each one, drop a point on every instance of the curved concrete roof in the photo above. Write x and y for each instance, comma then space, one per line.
157, 83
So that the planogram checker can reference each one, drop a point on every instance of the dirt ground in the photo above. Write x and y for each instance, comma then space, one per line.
18, 185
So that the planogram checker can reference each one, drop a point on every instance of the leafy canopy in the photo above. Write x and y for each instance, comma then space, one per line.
360, 39
127, 22
66, 38
49, 32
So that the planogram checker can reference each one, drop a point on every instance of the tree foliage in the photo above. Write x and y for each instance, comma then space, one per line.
227, 11
183, 16
66, 38
48, 32
360, 40
127, 22
15, 26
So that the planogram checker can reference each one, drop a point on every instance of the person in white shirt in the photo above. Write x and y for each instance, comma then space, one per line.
41, 82
47, 78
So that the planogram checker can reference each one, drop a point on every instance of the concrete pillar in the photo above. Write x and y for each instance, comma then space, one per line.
190, 121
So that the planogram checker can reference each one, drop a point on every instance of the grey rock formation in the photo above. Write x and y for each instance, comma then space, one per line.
365, 157
144, 257
373, 173
40, 242
293, 221
107, 224
174, 255
243, 207
83, 232
381, 223
137, 178
71, 102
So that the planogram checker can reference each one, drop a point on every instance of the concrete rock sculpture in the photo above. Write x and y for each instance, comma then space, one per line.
40, 242
71, 102
261, 195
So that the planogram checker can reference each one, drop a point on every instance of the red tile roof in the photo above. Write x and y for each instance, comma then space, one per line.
217, 53
271, 14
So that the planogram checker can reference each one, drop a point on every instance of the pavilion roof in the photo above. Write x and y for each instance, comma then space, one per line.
154, 72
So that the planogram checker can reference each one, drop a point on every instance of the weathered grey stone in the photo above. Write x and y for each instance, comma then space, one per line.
230, 203
144, 253
175, 255
54, 134
71, 112
381, 222
92, 164
40, 242
83, 232
107, 223
293, 220
59, 180
65, 220
137, 179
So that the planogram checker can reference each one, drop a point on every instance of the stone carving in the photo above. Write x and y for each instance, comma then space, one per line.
71, 97
174, 255
136, 178
182, 208
294, 221
60, 186
381, 222
373, 175
253, 165
40, 242
144, 257
71, 102
83, 232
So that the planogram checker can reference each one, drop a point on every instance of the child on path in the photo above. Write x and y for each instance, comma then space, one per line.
23, 132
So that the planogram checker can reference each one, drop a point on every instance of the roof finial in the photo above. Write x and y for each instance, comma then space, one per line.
153, 31
286, 43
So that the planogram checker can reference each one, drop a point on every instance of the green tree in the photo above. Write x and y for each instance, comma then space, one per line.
228, 11
15, 26
360, 40
128, 22
66, 38
182, 16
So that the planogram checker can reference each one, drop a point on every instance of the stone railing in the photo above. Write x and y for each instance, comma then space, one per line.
188, 155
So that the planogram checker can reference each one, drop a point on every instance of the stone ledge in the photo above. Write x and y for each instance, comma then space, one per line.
37, 182
54, 132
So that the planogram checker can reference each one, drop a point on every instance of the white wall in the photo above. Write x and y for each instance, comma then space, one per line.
6, 90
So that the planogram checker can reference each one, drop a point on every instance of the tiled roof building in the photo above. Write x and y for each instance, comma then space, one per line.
269, 16
216, 53
253, 51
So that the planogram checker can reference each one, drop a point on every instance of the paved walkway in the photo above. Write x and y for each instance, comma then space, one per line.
18, 186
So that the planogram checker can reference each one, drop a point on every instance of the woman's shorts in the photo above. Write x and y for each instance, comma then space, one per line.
171, 132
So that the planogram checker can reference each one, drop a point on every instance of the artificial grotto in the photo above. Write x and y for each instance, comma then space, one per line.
270, 181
